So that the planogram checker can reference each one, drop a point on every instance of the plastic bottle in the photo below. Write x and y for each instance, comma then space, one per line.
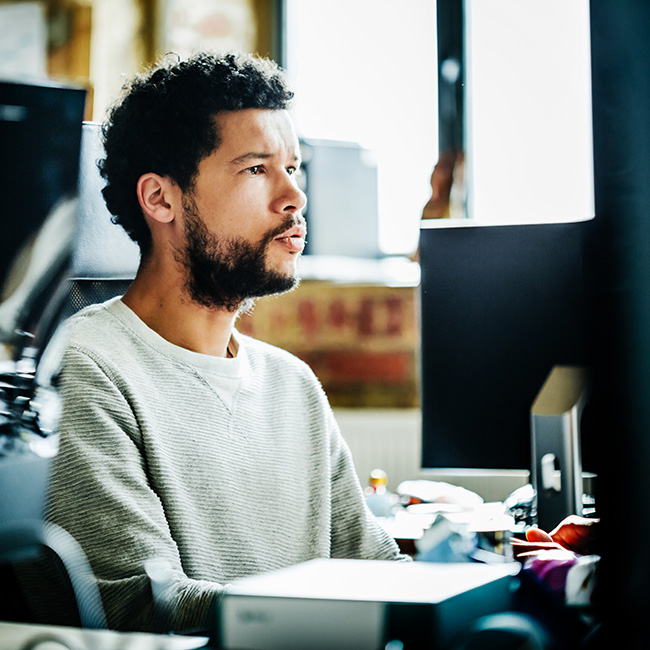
379, 499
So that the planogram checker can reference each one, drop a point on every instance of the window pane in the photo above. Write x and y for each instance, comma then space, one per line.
528, 108
365, 71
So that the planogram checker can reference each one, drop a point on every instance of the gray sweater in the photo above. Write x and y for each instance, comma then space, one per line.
221, 467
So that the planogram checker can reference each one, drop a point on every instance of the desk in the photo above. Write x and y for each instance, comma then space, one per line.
19, 636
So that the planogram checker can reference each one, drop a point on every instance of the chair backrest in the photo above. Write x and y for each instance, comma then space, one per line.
105, 259
84, 291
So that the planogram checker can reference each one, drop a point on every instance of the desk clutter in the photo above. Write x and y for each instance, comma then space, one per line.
331, 604
440, 522
436, 522
463, 590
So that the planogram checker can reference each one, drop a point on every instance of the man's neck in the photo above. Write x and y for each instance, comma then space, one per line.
160, 300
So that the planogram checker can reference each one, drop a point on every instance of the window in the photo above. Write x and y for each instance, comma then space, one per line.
365, 71
528, 110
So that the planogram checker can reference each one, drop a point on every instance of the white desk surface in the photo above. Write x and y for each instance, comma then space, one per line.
19, 636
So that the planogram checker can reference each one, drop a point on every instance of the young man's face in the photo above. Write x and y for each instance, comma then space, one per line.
243, 223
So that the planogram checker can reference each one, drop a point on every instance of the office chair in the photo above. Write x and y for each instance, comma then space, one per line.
26, 539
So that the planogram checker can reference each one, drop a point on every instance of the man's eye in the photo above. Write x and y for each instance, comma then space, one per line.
292, 170
255, 170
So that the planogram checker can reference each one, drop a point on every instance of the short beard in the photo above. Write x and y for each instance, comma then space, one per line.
229, 274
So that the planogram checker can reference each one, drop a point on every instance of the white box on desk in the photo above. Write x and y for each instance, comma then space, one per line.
360, 604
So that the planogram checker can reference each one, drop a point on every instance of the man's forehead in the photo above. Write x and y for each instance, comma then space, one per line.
270, 128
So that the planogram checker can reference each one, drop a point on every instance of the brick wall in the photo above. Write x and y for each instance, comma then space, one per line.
361, 341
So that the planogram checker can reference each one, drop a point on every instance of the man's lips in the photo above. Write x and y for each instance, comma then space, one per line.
293, 239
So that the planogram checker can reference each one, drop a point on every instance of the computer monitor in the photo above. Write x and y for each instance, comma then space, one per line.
501, 306
40, 136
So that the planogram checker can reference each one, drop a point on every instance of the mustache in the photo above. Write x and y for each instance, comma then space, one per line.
290, 221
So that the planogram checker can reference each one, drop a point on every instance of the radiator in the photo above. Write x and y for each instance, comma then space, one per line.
390, 440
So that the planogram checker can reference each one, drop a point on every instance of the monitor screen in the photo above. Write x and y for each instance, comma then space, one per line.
40, 131
500, 306
40, 136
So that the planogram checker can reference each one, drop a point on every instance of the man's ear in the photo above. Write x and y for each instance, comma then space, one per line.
158, 197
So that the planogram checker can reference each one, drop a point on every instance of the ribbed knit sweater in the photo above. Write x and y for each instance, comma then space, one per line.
221, 467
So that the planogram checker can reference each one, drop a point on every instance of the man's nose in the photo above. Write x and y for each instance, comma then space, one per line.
291, 198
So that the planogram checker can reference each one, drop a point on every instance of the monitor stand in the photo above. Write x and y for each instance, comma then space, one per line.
555, 445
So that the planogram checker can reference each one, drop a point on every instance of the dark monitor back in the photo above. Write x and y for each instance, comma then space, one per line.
40, 137
500, 306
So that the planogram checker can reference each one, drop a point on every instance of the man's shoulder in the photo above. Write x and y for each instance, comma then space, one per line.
259, 351
262, 348
95, 327
89, 318
274, 370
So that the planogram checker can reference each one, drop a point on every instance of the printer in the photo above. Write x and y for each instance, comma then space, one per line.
360, 604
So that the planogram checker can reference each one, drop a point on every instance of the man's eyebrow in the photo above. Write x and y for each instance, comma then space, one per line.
251, 155
254, 155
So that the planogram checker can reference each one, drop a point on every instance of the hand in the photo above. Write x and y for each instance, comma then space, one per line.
575, 534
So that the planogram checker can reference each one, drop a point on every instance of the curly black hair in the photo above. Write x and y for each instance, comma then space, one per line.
165, 124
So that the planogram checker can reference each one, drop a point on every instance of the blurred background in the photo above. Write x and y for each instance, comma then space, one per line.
372, 125
352, 64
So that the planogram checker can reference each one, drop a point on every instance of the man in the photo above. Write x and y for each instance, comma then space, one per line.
182, 440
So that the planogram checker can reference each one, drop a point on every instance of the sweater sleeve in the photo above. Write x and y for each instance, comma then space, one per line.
100, 494
356, 533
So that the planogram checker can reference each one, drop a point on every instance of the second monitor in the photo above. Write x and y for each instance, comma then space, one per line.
501, 305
